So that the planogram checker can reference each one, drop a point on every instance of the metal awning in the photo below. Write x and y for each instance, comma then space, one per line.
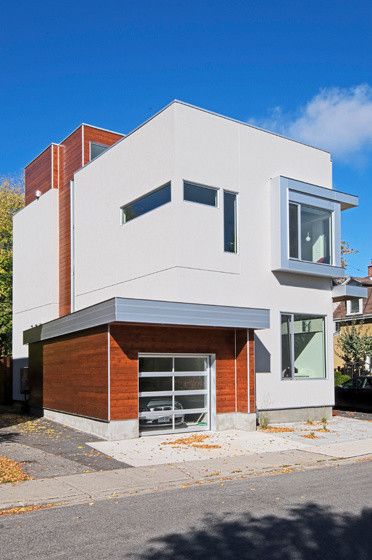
348, 290
127, 310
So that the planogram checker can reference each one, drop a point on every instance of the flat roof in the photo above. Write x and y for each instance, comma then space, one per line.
150, 312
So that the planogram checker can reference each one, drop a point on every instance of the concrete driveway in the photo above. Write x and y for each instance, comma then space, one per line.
343, 437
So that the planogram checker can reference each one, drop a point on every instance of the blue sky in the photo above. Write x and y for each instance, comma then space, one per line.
290, 65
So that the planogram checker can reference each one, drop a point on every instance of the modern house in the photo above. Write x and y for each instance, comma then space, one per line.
177, 278
356, 311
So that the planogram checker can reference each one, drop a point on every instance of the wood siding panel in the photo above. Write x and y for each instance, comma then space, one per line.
242, 370
38, 175
127, 341
105, 137
75, 374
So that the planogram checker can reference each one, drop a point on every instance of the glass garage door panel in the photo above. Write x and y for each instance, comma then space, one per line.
173, 394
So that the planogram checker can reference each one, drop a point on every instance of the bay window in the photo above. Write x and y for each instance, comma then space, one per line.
303, 346
310, 233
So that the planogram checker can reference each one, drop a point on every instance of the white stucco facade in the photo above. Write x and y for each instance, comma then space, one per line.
176, 252
35, 273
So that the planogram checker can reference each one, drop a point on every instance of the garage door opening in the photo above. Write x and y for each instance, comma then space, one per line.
174, 393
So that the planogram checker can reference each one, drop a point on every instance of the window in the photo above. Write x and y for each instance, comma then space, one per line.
200, 194
146, 203
96, 149
229, 222
303, 346
310, 233
354, 306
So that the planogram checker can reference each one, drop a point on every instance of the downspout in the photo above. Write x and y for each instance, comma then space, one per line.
72, 242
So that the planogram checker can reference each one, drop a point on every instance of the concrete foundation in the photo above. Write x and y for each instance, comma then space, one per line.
236, 421
116, 429
295, 414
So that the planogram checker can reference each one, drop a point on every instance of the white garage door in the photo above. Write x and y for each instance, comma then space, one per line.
174, 394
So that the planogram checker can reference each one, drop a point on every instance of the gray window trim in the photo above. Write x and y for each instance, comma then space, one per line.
236, 222
201, 185
293, 377
124, 206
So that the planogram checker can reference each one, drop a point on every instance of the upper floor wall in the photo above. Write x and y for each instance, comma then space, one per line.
151, 255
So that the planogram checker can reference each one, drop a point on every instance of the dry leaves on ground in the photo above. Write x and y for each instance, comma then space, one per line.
11, 471
310, 436
25, 509
196, 440
276, 429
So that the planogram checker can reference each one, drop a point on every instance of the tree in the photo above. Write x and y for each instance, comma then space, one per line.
346, 250
353, 347
11, 200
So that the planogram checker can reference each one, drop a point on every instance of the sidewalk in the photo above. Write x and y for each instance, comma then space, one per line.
83, 488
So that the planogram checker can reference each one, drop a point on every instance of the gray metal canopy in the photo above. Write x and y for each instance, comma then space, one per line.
127, 310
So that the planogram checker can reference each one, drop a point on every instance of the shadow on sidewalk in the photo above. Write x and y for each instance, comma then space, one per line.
308, 532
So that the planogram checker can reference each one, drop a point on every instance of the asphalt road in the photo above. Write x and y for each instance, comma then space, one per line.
322, 514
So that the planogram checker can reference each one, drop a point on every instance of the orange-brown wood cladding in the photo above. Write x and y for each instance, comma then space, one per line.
75, 374
38, 175
252, 374
127, 341
92, 134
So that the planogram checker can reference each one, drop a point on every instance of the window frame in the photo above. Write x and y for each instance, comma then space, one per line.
124, 222
202, 186
97, 144
236, 252
292, 354
348, 307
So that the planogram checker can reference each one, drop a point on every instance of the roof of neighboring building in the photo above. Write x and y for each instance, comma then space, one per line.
339, 313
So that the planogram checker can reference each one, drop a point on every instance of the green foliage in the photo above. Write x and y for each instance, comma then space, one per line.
11, 200
353, 346
340, 378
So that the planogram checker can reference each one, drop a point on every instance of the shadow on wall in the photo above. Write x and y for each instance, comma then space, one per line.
301, 281
262, 356
308, 532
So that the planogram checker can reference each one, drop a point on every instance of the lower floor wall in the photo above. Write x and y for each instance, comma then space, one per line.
304, 414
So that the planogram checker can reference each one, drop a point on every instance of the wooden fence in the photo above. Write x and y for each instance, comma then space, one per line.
5, 380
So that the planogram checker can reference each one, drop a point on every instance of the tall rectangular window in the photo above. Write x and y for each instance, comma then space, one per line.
230, 222
200, 194
146, 203
310, 233
303, 346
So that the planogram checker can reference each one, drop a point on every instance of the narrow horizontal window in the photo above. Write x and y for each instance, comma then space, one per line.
97, 149
200, 194
229, 222
303, 346
146, 203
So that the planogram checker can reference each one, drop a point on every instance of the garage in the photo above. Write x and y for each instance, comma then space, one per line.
174, 393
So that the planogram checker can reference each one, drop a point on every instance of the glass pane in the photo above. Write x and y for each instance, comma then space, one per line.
286, 346
146, 203
354, 306
147, 384
96, 150
190, 383
315, 234
190, 364
155, 404
190, 401
293, 231
155, 364
199, 421
229, 222
196, 193
309, 346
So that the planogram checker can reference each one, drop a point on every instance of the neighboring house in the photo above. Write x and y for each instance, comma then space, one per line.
180, 281
357, 311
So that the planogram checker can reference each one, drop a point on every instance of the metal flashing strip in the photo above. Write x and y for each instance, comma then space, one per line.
126, 310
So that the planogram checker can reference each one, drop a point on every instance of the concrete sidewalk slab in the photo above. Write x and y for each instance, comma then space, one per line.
346, 449
162, 450
82, 488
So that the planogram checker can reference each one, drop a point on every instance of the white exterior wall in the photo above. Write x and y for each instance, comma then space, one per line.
35, 276
176, 252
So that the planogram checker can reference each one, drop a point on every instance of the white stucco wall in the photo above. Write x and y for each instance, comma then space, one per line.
35, 276
176, 252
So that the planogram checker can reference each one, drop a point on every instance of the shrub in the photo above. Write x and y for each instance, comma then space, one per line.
340, 378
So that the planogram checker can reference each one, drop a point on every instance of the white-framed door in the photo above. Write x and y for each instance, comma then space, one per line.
174, 393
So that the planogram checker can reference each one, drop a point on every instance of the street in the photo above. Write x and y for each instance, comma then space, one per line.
315, 514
